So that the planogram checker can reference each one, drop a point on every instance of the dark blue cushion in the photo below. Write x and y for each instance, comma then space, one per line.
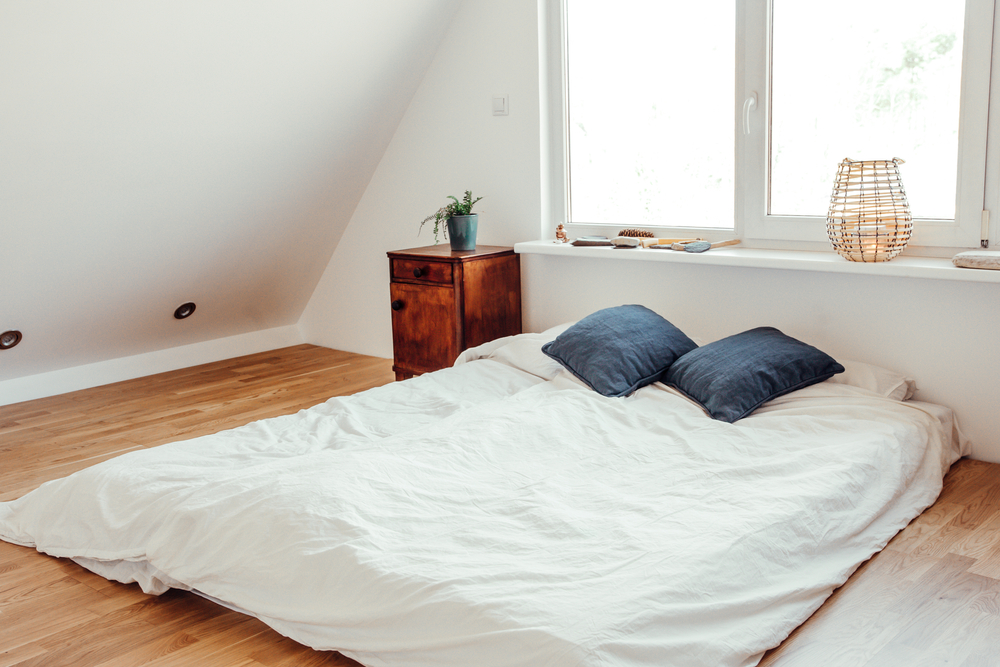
734, 376
617, 350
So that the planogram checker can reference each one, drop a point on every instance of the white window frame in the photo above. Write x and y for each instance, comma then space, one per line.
978, 189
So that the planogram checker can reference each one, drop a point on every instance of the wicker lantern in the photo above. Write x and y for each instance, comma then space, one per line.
869, 218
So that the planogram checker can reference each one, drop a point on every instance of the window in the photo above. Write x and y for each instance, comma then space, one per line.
644, 133
733, 115
867, 80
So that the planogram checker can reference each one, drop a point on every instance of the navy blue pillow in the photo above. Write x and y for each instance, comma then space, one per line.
734, 376
617, 350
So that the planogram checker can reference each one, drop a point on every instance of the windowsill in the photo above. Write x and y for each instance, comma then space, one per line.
797, 260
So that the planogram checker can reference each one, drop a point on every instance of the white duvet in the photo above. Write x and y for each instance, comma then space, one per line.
501, 513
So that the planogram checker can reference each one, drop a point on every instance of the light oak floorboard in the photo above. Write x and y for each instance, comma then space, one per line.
54, 613
932, 597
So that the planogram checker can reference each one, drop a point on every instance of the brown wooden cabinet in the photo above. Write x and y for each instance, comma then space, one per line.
445, 301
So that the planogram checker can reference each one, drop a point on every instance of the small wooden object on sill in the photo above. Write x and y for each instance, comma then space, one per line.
649, 243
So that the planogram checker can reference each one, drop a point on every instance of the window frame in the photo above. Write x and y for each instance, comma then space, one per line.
977, 189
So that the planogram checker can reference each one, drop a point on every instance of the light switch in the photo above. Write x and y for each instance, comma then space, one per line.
501, 105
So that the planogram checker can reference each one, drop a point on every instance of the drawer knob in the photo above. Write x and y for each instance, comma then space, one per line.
417, 272
397, 304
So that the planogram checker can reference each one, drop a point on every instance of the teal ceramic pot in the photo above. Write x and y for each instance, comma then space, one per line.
462, 231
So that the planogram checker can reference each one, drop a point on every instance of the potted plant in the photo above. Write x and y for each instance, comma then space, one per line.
460, 222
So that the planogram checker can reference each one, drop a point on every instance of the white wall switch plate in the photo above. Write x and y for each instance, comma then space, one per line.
501, 105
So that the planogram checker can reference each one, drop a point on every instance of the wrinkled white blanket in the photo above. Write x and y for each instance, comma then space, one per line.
500, 513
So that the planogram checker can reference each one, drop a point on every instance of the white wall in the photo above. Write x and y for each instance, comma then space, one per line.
942, 333
448, 142
162, 152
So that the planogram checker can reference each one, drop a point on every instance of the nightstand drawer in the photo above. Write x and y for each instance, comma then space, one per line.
424, 271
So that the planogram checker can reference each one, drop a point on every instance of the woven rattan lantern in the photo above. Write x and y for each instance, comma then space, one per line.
869, 218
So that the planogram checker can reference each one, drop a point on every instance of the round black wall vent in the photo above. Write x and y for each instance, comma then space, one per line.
184, 310
9, 339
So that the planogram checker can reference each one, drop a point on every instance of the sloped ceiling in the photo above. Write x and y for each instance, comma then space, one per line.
155, 153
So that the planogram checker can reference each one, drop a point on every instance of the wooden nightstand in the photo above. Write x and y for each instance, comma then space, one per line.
445, 301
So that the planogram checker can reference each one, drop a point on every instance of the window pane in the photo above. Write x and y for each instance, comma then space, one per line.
651, 88
868, 80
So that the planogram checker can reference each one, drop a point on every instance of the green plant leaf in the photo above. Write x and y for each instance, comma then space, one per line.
454, 207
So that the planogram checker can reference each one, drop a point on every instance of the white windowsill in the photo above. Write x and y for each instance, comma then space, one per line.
797, 260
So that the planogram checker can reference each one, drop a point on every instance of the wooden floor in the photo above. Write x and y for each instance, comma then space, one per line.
54, 613
932, 597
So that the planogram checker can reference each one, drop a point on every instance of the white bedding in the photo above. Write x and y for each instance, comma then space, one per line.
501, 513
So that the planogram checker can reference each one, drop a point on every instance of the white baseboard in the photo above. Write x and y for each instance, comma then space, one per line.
141, 365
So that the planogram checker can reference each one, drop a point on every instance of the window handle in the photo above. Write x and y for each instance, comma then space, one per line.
748, 104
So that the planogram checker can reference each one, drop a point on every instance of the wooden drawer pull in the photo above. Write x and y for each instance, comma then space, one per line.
397, 305
417, 272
